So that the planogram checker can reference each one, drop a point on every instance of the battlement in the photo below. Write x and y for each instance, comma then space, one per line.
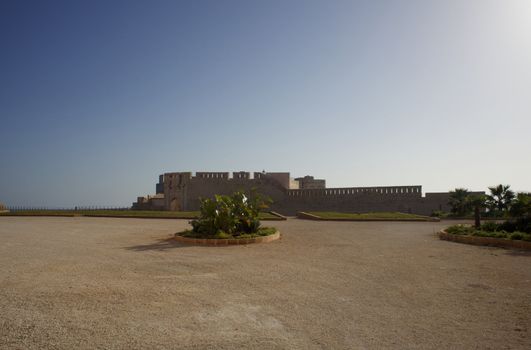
352, 191
282, 179
242, 175
205, 175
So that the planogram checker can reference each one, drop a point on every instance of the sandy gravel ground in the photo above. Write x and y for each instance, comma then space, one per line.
69, 283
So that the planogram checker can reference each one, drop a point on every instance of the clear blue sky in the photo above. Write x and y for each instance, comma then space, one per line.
99, 97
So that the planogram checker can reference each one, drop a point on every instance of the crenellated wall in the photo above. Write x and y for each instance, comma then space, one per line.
204, 175
182, 191
353, 191
406, 199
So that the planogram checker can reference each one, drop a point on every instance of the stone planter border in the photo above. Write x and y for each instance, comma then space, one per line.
485, 241
226, 242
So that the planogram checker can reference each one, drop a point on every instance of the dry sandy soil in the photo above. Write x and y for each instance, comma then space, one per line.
124, 284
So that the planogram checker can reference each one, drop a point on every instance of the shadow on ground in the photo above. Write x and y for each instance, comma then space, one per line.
518, 252
159, 245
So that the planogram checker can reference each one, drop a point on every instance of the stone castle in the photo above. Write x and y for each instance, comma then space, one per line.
181, 191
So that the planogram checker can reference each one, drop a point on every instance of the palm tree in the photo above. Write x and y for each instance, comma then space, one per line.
521, 206
477, 202
458, 201
500, 198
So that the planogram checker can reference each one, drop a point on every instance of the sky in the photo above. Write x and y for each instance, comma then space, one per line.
97, 98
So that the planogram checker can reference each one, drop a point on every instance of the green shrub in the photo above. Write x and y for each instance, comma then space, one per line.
230, 216
490, 234
262, 231
471, 231
508, 226
460, 230
523, 224
490, 226
516, 236
520, 224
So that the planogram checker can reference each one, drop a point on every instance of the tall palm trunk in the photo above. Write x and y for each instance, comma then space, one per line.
477, 218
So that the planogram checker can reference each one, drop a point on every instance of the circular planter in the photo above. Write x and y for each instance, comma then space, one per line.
485, 241
225, 242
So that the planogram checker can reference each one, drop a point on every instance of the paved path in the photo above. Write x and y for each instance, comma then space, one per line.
123, 284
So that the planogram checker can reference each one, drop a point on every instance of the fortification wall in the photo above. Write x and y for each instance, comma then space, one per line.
308, 182
354, 199
149, 203
182, 191
437, 201
175, 198
281, 178
203, 188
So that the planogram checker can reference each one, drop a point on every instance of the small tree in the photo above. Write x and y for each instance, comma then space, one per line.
500, 198
458, 202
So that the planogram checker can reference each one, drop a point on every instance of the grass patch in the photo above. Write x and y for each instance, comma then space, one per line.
467, 230
122, 213
263, 231
369, 216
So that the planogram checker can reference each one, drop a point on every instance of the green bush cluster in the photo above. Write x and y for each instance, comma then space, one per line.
489, 229
490, 226
230, 216
460, 230
510, 226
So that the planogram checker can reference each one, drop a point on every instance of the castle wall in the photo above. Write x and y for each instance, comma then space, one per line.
308, 182
282, 178
437, 201
149, 203
182, 192
355, 199
206, 188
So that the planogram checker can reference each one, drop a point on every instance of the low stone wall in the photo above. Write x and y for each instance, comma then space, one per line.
485, 241
226, 242
308, 216
279, 216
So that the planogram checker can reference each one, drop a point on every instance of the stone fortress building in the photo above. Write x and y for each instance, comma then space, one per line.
181, 191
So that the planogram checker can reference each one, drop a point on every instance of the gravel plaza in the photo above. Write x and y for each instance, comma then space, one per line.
114, 283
